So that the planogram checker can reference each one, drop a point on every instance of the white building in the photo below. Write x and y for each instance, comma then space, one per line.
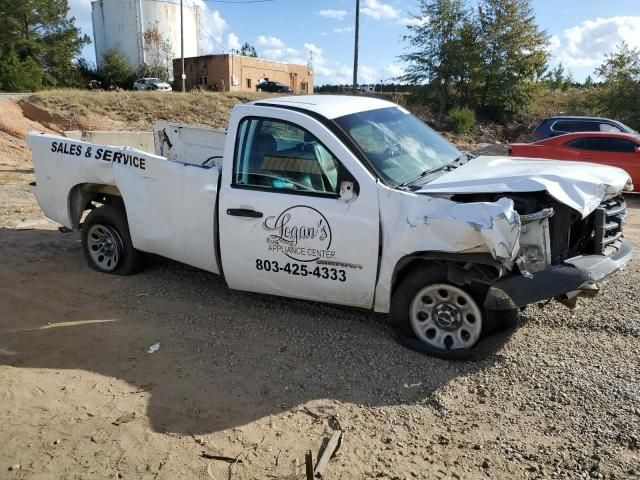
121, 24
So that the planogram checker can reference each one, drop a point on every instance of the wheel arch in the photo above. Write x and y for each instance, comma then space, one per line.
461, 269
82, 194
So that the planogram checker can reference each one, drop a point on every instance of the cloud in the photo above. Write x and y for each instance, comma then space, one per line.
325, 71
81, 10
379, 11
212, 28
337, 14
413, 21
586, 44
233, 42
267, 41
343, 30
313, 49
394, 70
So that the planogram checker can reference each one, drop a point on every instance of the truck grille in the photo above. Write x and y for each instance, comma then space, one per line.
608, 222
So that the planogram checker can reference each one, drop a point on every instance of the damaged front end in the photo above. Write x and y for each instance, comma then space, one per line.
519, 248
562, 256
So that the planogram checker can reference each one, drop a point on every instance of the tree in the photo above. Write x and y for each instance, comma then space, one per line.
19, 75
41, 31
444, 51
248, 50
588, 82
115, 69
557, 79
158, 54
487, 59
619, 96
513, 50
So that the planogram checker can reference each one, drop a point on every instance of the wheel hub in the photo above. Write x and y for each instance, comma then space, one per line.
447, 316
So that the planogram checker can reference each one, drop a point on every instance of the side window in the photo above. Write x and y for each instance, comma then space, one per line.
577, 143
575, 126
587, 127
603, 144
281, 156
561, 126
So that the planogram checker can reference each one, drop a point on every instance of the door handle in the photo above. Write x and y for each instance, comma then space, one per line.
243, 212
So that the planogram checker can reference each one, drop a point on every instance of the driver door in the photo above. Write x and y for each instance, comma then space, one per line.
284, 227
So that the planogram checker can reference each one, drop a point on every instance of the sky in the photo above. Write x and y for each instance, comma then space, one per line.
581, 32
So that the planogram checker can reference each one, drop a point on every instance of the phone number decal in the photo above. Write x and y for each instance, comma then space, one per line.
301, 270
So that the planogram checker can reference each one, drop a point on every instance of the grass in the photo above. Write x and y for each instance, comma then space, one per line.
91, 110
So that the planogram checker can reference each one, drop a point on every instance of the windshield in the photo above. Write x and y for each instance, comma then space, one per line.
397, 144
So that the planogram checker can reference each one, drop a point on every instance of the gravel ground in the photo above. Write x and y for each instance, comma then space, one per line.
258, 378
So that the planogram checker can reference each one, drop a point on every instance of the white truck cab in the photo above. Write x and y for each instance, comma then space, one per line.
345, 200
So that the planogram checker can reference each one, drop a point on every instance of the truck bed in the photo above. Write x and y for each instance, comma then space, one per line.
170, 202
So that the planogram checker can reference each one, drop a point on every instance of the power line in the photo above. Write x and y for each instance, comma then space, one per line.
201, 25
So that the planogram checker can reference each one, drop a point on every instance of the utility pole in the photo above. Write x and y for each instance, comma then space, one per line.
355, 51
183, 76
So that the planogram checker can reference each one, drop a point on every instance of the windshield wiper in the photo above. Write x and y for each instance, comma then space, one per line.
423, 174
456, 162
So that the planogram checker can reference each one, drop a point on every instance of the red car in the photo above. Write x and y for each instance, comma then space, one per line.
616, 149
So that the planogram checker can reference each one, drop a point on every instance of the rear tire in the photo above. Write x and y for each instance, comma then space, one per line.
106, 242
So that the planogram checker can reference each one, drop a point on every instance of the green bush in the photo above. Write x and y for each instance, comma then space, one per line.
116, 71
461, 119
19, 75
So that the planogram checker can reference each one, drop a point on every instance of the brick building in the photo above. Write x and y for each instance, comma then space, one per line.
238, 73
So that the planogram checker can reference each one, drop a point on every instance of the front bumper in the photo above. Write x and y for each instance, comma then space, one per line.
581, 275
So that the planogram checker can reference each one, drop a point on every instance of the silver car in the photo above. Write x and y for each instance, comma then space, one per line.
151, 84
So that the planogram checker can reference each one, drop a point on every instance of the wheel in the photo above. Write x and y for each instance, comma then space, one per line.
107, 243
445, 317
436, 317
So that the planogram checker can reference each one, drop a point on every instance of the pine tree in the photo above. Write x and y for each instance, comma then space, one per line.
513, 49
40, 30
248, 50
443, 52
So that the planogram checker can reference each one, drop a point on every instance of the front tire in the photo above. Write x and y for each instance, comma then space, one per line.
106, 242
433, 316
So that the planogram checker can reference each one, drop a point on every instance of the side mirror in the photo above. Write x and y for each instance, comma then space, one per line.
347, 191
638, 150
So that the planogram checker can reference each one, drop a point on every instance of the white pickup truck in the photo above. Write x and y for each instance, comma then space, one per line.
346, 200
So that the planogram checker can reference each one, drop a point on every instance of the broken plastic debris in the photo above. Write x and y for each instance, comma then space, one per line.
154, 348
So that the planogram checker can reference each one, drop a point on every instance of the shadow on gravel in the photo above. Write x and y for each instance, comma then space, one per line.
225, 359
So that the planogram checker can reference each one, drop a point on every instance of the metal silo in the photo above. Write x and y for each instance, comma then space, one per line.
121, 24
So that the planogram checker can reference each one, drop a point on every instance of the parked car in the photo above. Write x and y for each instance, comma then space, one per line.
616, 149
151, 84
554, 126
345, 200
273, 87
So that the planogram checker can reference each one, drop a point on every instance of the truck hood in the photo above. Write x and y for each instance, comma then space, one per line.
581, 186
